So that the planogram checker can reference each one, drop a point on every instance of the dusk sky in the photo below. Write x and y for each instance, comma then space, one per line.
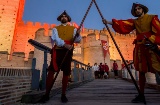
47, 11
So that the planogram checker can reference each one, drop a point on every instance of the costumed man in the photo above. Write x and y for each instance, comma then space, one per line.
95, 68
101, 71
62, 38
147, 33
106, 69
115, 69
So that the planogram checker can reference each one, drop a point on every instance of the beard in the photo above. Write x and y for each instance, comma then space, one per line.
139, 14
63, 21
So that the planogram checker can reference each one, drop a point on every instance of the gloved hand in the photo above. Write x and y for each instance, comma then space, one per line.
68, 46
104, 21
77, 32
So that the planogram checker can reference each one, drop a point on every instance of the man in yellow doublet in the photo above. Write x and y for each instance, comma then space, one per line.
148, 33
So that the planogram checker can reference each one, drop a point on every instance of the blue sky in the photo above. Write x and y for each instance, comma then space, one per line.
47, 11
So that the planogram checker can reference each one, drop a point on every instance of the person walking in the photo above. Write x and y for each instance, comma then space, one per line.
115, 69
106, 70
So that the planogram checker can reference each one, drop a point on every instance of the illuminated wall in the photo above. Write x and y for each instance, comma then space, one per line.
26, 31
14, 31
125, 46
124, 43
11, 13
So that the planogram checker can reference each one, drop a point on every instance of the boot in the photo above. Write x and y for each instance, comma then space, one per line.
139, 99
64, 98
44, 99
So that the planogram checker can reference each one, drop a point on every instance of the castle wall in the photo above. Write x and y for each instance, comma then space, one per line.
26, 31
92, 48
93, 52
16, 62
124, 43
78, 52
11, 11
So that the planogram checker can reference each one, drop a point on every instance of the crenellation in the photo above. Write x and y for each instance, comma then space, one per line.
90, 31
21, 23
102, 32
38, 24
53, 25
116, 33
29, 23
39, 32
17, 60
85, 30
46, 25
96, 31
41, 37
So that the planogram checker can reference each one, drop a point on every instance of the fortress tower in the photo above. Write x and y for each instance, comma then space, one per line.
11, 14
92, 47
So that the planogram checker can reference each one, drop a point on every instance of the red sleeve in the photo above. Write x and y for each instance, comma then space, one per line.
107, 68
123, 26
156, 30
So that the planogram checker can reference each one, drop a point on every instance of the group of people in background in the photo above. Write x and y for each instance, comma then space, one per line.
101, 71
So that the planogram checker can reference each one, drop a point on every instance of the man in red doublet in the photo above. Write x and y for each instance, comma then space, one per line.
145, 56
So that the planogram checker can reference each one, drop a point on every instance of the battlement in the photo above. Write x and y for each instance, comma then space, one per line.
88, 31
36, 24
104, 31
93, 35
41, 37
17, 60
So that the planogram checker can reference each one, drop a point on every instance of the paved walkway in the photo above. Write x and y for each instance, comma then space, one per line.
106, 92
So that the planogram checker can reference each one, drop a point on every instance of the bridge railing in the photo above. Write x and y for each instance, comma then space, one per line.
81, 72
15, 82
151, 78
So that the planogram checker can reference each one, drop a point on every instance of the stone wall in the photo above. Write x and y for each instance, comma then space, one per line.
11, 12
16, 62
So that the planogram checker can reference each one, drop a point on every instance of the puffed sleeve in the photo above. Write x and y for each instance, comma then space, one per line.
156, 29
123, 26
